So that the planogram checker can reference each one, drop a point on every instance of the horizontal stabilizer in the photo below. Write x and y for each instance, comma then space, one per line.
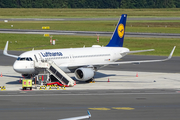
138, 51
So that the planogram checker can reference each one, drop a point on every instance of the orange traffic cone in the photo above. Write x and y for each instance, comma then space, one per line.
1, 74
108, 80
20, 80
136, 74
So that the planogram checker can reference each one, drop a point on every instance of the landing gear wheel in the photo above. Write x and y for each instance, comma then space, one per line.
90, 81
24, 88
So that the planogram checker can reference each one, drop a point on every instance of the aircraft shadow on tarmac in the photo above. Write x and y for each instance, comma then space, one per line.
14, 82
12, 76
120, 81
102, 75
172, 79
97, 75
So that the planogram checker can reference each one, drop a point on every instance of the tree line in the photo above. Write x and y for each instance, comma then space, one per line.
89, 3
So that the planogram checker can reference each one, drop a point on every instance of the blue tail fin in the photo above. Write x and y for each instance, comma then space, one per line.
118, 35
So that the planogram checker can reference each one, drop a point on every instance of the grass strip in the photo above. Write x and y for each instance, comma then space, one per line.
26, 42
148, 27
83, 13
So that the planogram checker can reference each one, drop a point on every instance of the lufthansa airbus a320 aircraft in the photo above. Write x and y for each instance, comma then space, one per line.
84, 62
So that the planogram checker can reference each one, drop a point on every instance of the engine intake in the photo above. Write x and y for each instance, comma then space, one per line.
84, 74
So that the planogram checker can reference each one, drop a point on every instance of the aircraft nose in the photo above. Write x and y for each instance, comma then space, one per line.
23, 67
17, 67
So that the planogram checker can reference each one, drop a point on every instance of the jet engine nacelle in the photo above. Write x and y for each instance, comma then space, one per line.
84, 74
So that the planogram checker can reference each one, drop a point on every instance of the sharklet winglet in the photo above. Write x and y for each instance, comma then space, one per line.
5, 51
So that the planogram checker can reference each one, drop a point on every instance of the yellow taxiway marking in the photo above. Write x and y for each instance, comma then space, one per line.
123, 108
117, 108
99, 108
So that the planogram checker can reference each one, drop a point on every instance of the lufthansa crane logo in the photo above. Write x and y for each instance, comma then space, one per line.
121, 30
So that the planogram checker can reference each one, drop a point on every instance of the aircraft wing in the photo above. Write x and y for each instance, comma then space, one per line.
78, 118
126, 62
145, 61
5, 51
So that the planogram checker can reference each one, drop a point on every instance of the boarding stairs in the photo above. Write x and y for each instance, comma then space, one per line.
54, 70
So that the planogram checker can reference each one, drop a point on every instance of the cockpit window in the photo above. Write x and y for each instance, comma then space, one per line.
24, 59
27, 59
18, 58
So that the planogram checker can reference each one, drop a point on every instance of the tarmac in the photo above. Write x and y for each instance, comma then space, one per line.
132, 95
88, 33
104, 80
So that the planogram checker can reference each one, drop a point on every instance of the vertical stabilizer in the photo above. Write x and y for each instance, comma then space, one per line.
118, 35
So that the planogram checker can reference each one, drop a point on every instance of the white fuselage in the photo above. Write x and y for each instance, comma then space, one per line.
66, 58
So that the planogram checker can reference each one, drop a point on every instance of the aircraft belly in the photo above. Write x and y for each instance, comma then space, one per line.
65, 69
25, 71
